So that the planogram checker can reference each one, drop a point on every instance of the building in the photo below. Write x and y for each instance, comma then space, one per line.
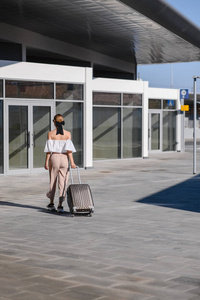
79, 58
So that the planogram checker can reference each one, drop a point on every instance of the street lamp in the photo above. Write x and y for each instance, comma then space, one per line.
194, 126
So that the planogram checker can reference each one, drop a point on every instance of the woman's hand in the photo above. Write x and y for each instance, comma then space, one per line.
46, 167
73, 166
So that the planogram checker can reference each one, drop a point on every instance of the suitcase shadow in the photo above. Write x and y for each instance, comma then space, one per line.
46, 211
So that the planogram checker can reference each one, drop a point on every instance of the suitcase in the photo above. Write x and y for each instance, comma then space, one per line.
79, 197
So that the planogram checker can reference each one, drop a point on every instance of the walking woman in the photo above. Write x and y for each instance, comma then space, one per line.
59, 151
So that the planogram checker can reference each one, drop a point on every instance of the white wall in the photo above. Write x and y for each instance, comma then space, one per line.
117, 85
41, 72
158, 93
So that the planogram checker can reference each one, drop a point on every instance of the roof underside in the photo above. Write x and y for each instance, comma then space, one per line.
150, 31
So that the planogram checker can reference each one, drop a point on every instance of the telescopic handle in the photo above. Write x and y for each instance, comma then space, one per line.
78, 172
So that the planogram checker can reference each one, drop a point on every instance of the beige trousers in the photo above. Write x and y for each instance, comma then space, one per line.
58, 167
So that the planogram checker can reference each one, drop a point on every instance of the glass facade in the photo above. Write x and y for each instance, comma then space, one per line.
117, 122
169, 130
1, 137
169, 104
155, 131
66, 91
41, 126
29, 89
117, 131
18, 137
106, 132
132, 132
154, 104
73, 117
132, 99
106, 99
163, 124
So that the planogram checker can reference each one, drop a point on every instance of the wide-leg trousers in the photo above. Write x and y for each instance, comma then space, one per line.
58, 168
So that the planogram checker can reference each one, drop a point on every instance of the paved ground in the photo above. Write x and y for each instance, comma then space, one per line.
142, 243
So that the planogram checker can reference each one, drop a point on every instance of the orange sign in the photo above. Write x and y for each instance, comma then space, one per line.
184, 107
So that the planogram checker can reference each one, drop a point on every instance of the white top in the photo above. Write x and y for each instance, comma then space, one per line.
59, 146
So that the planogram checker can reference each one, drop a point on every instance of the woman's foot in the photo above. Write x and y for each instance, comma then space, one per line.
51, 207
60, 209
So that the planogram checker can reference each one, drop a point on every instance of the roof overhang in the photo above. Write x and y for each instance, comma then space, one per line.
130, 30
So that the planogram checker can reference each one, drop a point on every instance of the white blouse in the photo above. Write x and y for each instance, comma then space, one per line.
59, 146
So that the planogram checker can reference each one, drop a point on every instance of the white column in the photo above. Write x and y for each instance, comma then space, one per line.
88, 120
145, 120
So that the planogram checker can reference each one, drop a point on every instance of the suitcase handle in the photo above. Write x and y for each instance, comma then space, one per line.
78, 172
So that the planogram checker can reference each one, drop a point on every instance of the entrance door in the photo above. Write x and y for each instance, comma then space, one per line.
28, 125
41, 118
155, 131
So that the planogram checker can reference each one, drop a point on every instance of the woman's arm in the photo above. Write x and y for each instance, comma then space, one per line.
71, 159
69, 153
46, 165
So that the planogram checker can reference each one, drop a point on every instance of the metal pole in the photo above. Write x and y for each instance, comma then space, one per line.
171, 76
194, 126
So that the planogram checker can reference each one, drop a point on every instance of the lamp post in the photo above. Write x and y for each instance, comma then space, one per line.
194, 126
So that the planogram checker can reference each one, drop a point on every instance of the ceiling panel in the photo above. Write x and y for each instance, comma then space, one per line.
122, 29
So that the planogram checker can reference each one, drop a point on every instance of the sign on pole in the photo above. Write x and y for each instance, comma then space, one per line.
185, 108
184, 94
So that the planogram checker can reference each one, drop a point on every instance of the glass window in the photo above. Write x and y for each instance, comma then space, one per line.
69, 91
132, 99
106, 133
155, 131
169, 130
1, 88
29, 89
18, 137
41, 126
1, 136
73, 117
169, 104
132, 132
106, 99
154, 104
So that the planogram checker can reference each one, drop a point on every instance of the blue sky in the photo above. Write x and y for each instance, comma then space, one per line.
178, 75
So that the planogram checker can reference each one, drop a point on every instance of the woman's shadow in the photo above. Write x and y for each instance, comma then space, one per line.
38, 208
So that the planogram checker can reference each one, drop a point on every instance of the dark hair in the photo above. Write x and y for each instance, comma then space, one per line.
57, 115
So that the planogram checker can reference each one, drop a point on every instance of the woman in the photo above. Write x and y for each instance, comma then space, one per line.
59, 149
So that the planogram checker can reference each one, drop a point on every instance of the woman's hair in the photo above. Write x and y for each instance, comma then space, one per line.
57, 115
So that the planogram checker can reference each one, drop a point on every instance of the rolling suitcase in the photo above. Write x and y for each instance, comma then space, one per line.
79, 197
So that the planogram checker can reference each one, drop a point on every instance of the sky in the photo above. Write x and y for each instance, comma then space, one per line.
176, 75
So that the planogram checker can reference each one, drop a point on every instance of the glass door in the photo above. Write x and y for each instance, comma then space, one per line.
41, 125
19, 137
155, 131
28, 125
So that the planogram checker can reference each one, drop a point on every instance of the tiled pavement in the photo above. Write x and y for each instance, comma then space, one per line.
142, 243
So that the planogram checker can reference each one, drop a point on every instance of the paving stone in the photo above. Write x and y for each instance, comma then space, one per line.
187, 280
142, 242
92, 292
31, 296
